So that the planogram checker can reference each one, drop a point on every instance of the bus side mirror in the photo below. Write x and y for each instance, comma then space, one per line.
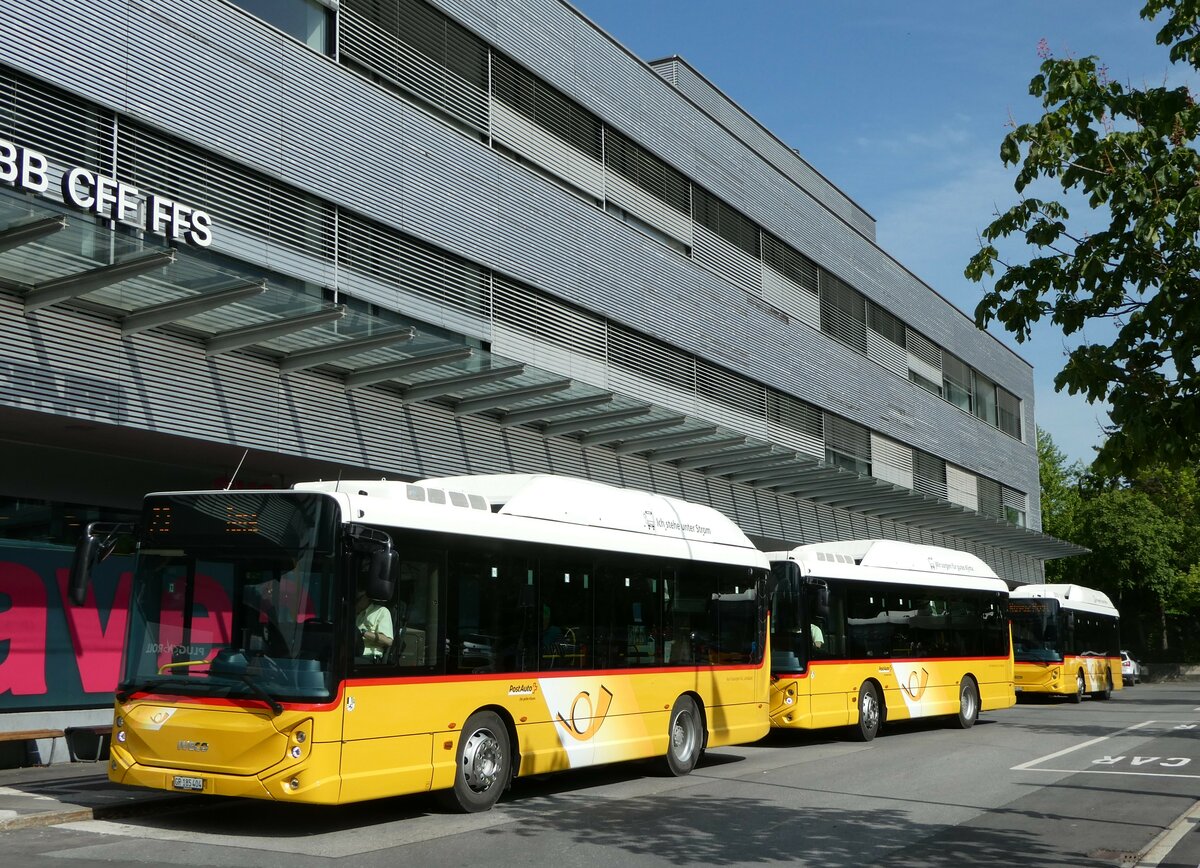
823, 601
97, 543
87, 555
380, 585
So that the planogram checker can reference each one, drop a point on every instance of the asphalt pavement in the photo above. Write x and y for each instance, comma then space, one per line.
73, 792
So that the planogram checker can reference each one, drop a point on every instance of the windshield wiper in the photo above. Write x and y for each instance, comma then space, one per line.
261, 693
124, 694
204, 687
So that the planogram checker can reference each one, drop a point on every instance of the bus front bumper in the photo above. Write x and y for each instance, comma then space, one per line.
1041, 679
314, 781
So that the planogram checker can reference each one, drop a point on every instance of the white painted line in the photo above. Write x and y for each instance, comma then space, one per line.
1067, 750
1161, 847
1111, 772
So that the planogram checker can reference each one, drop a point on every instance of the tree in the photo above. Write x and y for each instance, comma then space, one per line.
1135, 549
1060, 497
1129, 153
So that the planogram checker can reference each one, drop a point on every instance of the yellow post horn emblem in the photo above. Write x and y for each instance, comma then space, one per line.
593, 717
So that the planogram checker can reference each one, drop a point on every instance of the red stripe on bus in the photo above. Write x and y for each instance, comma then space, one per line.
526, 676
887, 661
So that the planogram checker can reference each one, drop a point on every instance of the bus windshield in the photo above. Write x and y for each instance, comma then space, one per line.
234, 596
789, 642
1035, 627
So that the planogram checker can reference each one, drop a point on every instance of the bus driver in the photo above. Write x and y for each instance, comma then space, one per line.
374, 623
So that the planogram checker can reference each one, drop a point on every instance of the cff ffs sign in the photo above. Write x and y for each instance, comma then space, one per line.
29, 170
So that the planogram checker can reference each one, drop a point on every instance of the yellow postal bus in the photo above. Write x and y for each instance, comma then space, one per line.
1066, 641
870, 631
354, 640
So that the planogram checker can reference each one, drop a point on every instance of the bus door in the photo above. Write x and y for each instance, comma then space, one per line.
392, 628
789, 645
825, 637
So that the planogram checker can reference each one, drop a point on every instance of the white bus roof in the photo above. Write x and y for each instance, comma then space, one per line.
893, 561
546, 508
1069, 597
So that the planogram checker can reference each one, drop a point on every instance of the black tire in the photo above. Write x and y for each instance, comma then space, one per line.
1080, 687
870, 713
1106, 693
484, 765
685, 737
968, 703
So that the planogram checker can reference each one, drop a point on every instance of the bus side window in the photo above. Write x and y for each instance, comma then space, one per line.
416, 614
686, 614
835, 636
565, 590
735, 614
493, 623
628, 617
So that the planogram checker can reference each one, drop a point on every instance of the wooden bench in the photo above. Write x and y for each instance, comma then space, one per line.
101, 732
27, 735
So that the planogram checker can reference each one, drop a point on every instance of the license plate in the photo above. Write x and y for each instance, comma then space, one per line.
185, 783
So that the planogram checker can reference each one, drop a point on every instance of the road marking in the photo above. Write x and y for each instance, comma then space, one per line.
1110, 772
1161, 846
1026, 765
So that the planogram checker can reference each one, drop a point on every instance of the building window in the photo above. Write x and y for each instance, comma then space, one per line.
886, 324
640, 167
1014, 505
29, 522
796, 267
528, 95
719, 218
800, 416
985, 399
306, 20
1008, 412
645, 228
956, 382
929, 475
926, 384
843, 312
991, 502
847, 445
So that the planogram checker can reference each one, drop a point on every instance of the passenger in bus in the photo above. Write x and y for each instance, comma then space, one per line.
818, 635
374, 623
551, 633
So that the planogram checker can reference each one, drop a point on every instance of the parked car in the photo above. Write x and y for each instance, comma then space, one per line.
1131, 670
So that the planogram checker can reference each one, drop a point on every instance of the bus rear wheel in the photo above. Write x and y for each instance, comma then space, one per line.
484, 765
870, 713
968, 703
1080, 687
685, 737
1106, 693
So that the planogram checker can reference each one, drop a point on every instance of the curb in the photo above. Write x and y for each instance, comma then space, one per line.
49, 818
76, 815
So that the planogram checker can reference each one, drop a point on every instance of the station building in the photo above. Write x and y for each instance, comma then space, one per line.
250, 243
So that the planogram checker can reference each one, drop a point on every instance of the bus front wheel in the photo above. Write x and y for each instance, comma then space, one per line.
1080, 687
968, 703
870, 713
685, 737
484, 765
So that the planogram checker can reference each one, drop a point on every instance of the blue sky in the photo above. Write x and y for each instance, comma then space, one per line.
904, 106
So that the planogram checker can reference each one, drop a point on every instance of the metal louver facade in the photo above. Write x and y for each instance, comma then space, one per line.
620, 274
